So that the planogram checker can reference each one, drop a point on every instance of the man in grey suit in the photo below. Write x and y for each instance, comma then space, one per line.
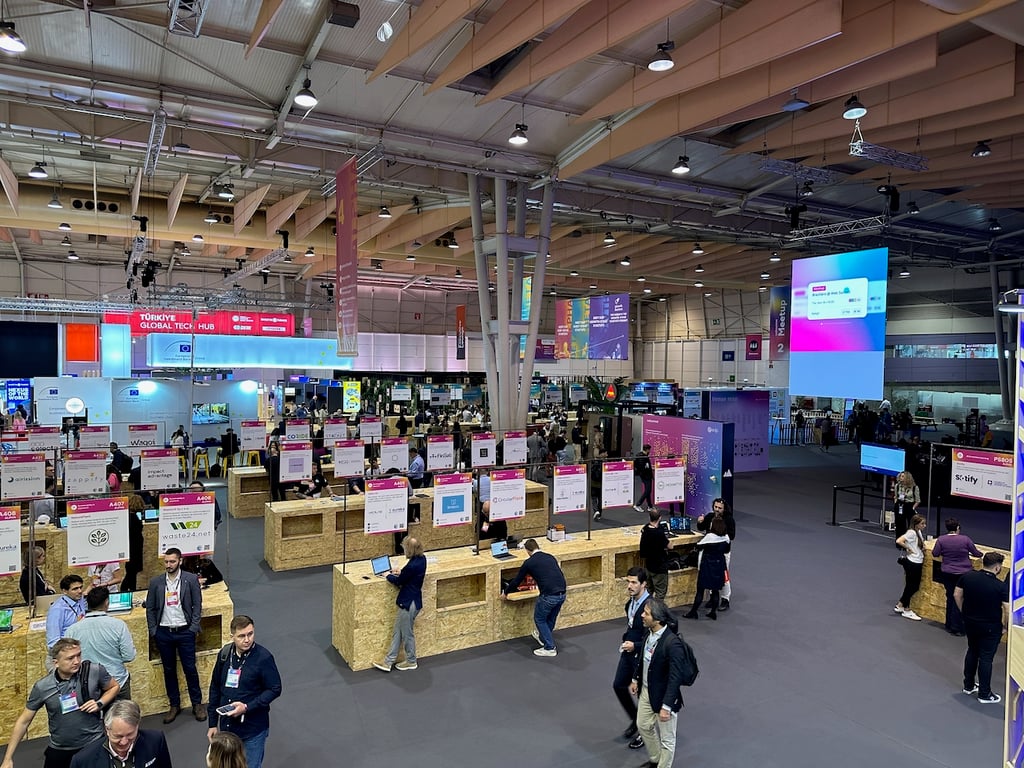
173, 607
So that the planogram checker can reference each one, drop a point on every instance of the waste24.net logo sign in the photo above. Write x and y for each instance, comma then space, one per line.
187, 525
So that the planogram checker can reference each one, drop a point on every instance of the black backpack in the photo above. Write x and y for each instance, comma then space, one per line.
690, 670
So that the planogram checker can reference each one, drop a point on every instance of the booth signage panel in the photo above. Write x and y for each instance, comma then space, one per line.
98, 531
85, 472
253, 435
394, 454
159, 468
440, 452
982, 475
616, 484
669, 480
91, 436
386, 505
23, 476
570, 488
335, 429
348, 458
484, 447
141, 436
186, 522
508, 494
296, 429
296, 461
453, 499
10, 540
370, 427
43, 438
514, 450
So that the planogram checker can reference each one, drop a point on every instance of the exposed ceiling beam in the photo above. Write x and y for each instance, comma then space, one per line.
267, 13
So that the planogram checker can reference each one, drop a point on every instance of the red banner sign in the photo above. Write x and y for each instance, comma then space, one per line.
145, 321
346, 265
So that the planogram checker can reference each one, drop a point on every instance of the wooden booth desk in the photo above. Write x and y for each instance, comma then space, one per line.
309, 532
23, 654
930, 600
249, 489
462, 606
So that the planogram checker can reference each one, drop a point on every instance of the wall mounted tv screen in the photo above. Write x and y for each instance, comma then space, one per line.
28, 350
210, 413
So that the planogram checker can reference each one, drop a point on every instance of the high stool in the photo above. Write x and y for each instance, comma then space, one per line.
201, 461
182, 466
252, 459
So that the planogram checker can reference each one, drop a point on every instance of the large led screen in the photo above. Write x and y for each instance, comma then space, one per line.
592, 328
837, 333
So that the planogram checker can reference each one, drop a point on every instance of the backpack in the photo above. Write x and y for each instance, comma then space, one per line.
89, 681
690, 670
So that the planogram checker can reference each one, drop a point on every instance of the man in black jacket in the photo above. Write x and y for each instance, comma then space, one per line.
551, 582
720, 508
632, 639
656, 683
125, 741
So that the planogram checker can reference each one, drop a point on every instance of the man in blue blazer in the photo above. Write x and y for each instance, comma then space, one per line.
124, 740
632, 640
656, 683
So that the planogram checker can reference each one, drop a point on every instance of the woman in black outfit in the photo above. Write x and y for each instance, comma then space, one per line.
273, 467
711, 572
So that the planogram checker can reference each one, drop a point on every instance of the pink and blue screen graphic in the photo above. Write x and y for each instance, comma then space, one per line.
837, 331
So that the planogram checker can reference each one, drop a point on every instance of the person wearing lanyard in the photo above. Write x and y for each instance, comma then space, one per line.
126, 745
105, 639
656, 682
636, 587
173, 607
246, 680
66, 610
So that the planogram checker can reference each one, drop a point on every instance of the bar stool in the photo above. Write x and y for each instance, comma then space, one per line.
201, 461
252, 459
182, 466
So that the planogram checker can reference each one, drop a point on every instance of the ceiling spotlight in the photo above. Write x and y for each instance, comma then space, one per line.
451, 242
593, 286
762, 288
853, 109
981, 150
807, 190
226, 191
38, 171
662, 61
647, 290
306, 98
10, 41
624, 261
197, 238
186, 252
310, 253
698, 284
573, 273
912, 208
765, 275
519, 137
64, 227
609, 239
697, 250
707, 294
774, 257
662, 298
383, 213
55, 201
72, 256
682, 167
491, 288
553, 292
66, 241
212, 218
378, 265
458, 272
641, 279
181, 148
410, 257
994, 225
427, 281
699, 268
904, 272
795, 103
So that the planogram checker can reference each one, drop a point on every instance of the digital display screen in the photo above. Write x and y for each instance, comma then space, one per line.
883, 459
837, 324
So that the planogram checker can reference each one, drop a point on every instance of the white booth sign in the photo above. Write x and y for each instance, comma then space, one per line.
986, 475
349, 458
669, 480
453, 499
616, 484
335, 429
514, 449
296, 461
23, 476
10, 540
386, 506
508, 494
570, 491
253, 435
394, 454
141, 436
296, 429
159, 468
94, 436
85, 472
43, 438
440, 452
484, 446
98, 531
186, 522
370, 428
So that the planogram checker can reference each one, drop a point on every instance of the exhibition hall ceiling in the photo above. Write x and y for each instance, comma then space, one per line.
132, 109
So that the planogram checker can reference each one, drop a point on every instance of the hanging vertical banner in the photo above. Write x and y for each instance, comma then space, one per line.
563, 329
43, 438
23, 476
348, 458
616, 484
296, 461
335, 429
253, 435
515, 448
394, 454
753, 346
346, 264
85, 472
386, 506
97, 436
669, 480
440, 452
524, 311
508, 494
460, 332
453, 499
570, 492
98, 531
779, 323
10, 541
370, 428
186, 522
484, 448
580, 348
352, 394
159, 468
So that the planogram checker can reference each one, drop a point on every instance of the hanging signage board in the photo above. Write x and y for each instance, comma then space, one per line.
508, 494
386, 505
570, 491
97, 531
159, 468
453, 499
186, 522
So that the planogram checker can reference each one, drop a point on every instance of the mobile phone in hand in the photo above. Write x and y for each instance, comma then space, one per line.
227, 709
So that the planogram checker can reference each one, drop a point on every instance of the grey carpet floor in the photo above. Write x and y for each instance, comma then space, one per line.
810, 668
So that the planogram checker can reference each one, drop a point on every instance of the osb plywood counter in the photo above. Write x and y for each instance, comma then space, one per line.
462, 607
301, 534
249, 489
23, 655
930, 600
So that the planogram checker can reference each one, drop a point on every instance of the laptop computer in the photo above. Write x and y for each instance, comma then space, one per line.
664, 525
150, 515
499, 550
680, 524
381, 565
43, 602
6, 619
120, 602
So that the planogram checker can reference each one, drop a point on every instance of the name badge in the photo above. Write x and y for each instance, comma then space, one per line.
233, 675
648, 652
68, 703
172, 599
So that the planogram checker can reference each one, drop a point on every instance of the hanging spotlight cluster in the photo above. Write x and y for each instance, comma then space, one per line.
447, 240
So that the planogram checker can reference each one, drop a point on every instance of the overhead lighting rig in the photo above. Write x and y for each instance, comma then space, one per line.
884, 155
798, 171
247, 270
156, 141
186, 17
840, 228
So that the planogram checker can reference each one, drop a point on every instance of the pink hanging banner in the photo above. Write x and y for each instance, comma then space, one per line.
346, 272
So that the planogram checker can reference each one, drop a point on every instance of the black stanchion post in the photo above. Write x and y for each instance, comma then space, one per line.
860, 518
835, 493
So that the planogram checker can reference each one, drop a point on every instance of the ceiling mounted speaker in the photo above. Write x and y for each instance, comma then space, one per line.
343, 14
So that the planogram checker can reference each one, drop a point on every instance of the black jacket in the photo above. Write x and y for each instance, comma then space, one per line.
665, 676
150, 751
545, 571
635, 629
259, 683
730, 523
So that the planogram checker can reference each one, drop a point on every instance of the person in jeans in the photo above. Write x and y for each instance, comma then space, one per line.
645, 474
984, 600
551, 582
956, 551
654, 553
912, 560
409, 581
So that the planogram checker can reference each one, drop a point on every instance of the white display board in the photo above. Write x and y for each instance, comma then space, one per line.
98, 531
440, 452
252, 435
296, 429
394, 454
43, 438
669, 480
370, 428
141, 436
94, 436
984, 475
186, 522
23, 476
85, 472
335, 429
616, 484
570, 488
296, 461
10, 540
349, 458
514, 448
386, 505
159, 468
453, 499
484, 447
508, 494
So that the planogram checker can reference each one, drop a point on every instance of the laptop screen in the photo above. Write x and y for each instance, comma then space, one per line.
6, 619
380, 565
120, 601
499, 548
151, 515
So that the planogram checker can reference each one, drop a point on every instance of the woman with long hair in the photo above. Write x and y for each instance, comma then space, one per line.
906, 498
226, 751
912, 560
409, 581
